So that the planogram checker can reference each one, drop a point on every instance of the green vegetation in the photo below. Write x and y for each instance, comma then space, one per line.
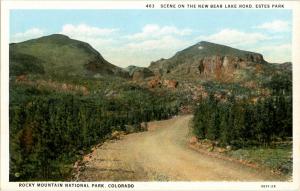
240, 123
21, 64
49, 128
256, 130
235, 88
278, 158
62, 56
65, 97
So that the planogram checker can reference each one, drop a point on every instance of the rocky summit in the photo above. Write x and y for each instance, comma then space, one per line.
209, 61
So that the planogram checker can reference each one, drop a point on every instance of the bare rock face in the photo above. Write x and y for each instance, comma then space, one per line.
219, 67
170, 83
158, 82
206, 60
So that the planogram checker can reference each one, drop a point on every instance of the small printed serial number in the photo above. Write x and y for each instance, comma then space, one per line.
268, 186
149, 5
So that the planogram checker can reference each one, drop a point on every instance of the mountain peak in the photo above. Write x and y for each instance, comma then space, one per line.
204, 43
60, 36
207, 43
60, 55
206, 49
207, 60
55, 38
213, 45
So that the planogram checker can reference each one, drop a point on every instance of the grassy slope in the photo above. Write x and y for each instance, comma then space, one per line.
278, 158
64, 56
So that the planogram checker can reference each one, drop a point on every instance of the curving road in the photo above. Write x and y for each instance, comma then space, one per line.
162, 154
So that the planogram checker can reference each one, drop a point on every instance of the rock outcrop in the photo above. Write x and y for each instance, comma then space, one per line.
212, 61
153, 83
141, 74
158, 82
170, 83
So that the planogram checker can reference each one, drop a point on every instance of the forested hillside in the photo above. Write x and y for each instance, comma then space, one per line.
50, 130
65, 98
250, 126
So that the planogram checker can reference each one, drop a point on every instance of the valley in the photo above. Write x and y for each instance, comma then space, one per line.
65, 98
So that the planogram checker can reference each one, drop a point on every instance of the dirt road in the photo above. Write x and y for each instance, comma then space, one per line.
162, 154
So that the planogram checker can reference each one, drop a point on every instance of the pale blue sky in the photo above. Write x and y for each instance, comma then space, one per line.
137, 37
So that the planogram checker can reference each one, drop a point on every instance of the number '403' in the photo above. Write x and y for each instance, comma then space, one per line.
150, 5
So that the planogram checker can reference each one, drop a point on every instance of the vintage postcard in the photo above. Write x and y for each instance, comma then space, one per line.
150, 95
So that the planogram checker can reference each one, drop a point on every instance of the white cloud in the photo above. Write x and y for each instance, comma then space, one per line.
275, 26
276, 53
151, 43
154, 42
142, 53
233, 37
165, 42
100, 38
252, 41
156, 31
28, 34
86, 30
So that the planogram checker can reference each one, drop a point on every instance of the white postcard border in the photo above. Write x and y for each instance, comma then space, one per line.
6, 6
